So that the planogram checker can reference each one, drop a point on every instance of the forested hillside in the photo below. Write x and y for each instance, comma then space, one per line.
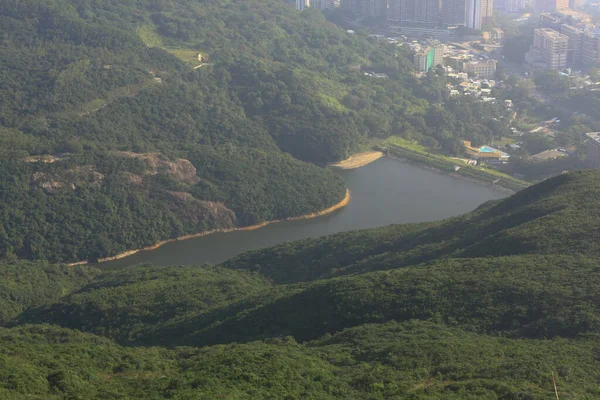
151, 119
557, 216
123, 123
421, 311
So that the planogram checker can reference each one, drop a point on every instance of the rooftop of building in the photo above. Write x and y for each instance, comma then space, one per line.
571, 28
482, 62
594, 136
551, 32
548, 155
593, 31
574, 14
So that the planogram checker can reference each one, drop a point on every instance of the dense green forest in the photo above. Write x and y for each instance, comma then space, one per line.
123, 123
497, 304
256, 96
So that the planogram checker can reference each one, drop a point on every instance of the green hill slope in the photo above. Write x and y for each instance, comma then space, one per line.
24, 285
80, 81
539, 293
521, 296
128, 305
557, 216
115, 135
273, 89
376, 325
390, 361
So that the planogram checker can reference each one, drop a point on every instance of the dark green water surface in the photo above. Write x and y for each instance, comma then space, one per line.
382, 193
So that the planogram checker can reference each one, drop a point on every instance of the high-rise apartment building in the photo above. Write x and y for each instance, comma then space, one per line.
323, 4
423, 59
583, 45
575, 36
366, 8
479, 13
487, 12
550, 47
552, 20
438, 54
396, 10
472, 13
353, 6
374, 8
575, 4
427, 11
510, 6
590, 47
301, 5
454, 12
474, 17
428, 55
557, 18
550, 5
420, 11
481, 69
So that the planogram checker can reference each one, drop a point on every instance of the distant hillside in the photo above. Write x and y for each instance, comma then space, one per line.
249, 92
83, 84
429, 311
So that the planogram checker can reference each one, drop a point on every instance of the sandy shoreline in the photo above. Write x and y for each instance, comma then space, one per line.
358, 160
128, 253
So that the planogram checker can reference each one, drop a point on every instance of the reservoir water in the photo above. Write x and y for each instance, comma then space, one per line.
382, 193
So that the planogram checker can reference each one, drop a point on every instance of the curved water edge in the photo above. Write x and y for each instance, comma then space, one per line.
384, 192
128, 253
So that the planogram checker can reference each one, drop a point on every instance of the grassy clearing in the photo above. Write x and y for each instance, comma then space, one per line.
323, 84
149, 36
92, 105
110, 97
503, 142
409, 145
185, 55
331, 102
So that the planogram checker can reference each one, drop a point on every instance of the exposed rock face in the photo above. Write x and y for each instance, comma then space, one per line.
190, 208
72, 178
85, 175
180, 170
47, 181
46, 159
132, 179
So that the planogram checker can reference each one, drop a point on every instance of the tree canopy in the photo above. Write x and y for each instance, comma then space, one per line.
499, 303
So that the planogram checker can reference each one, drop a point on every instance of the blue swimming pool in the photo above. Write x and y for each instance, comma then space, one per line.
485, 149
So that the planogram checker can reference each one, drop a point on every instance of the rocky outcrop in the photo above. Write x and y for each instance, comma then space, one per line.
69, 179
180, 170
213, 213
47, 181
132, 179
46, 159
